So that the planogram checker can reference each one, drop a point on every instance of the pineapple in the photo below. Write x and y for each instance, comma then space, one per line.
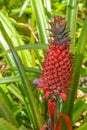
57, 66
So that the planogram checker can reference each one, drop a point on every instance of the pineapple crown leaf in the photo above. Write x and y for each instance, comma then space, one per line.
59, 31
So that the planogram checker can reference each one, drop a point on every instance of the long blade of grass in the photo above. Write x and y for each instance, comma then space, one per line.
12, 79
15, 91
9, 79
28, 10
6, 112
72, 10
32, 46
47, 4
26, 2
13, 35
4, 125
5, 93
26, 47
5, 47
77, 111
28, 69
41, 20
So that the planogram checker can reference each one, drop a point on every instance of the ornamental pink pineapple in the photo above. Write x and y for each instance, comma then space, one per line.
57, 72
57, 66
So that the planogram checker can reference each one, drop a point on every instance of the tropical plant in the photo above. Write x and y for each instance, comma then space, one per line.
24, 39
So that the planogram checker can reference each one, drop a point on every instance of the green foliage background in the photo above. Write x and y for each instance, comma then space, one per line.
23, 43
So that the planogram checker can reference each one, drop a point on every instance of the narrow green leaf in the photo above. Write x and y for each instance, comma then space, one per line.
24, 128
33, 70
26, 47
28, 69
12, 79
79, 107
5, 48
15, 91
41, 20
83, 39
26, 2
6, 95
17, 11
4, 125
13, 36
32, 46
72, 10
6, 112
47, 4
9, 79
83, 89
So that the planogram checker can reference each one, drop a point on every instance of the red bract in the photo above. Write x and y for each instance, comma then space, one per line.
67, 120
58, 125
43, 127
52, 108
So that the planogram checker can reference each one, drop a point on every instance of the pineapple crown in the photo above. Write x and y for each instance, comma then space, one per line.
59, 31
